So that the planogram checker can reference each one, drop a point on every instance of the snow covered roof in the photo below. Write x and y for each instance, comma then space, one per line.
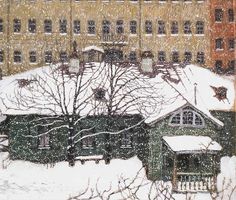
89, 48
2, 118
194, 89
186, 144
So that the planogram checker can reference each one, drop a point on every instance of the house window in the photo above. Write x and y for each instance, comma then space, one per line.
87, 142
106, 27
76, 27
32, 25
219, 44
187, 117
219, 66
161, 27
148, 27
16, 25
1, 25
32, 57
132, 56
161, 56
187, 57
231, 15
174, 27
63, 56
1, 56
120, 26
99, 94
175, 57
187, 27
48, 57
218, 15
91, 27
48, 26
63, 26
17, 57
199, 27
231, 44
231, 66
44, 141
200, 57
133, 27
126, 140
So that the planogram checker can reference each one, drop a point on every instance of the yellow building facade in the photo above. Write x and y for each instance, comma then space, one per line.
33, 32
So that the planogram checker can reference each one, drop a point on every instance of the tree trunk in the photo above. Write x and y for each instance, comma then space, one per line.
71, 145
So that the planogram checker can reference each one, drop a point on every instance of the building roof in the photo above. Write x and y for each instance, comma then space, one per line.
186, 144
168, 91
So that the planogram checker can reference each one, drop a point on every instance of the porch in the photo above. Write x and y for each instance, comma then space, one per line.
190, 162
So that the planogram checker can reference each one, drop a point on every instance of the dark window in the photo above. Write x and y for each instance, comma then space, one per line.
88, 142
99, 94
187, 27
43, 140
148, 27
176, 119
188, 117
183, 162
231, 67
32, 25
174, 27
132, 56
161, 56
63, 26
106, 27
63, 56
48, 57
175, 57
120, 26
219, 66
126, 140
91, 27
161, 27
218, 15
1, 25
1, 56
133, 27
32, 57
48, 26
16, 25
17, 57
231, 15
199, 27
200, 57
76, 26
219, 43
187, 57
231, 44
113, 55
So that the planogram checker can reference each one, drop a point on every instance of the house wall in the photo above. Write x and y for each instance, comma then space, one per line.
99, 10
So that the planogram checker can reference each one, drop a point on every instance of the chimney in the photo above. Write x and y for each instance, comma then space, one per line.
195, 93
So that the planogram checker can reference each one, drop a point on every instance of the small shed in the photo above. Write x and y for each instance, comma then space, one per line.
92, 54
190, 162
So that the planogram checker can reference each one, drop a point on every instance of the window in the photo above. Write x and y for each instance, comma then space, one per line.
48, 57
1, 25
231, 15
63, 26
1, 56
32, 57
87, 142
175, 57
133, 27
161, 56
106, 27
187, 57
148, 27
76, 26
99, 94
91, 27
44, 139
63, 56
126, 140
17, 57
219, 44
32, 25
174, 27
120, 26
231, 44
16, 25
219, 66
187, 27
161, 27
48, 26
199, 27
186, 117
200, 57
218, 15
133, 56
231, 66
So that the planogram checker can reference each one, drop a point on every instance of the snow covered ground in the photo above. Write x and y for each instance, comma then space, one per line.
27, 181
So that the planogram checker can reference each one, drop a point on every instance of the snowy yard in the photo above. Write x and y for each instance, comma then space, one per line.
28, 181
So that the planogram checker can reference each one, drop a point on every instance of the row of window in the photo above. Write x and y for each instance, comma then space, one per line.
48, 57
106, 26
219, 44
219, 15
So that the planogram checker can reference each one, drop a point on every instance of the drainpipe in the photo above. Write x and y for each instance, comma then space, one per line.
140, 29
71, 25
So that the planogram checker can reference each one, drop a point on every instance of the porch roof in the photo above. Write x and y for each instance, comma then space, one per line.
191, 144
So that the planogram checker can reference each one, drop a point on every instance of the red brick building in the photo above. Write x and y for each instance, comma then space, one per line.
223, 32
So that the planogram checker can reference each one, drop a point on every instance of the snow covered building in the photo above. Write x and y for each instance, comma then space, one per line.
178, 123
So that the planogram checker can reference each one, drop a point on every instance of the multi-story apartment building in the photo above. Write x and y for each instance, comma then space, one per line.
223, 33
35, 32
